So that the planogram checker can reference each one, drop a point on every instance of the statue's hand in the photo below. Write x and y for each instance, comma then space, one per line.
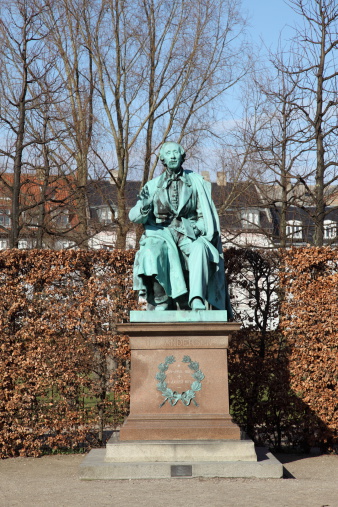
147, 199
146, 203
196, 228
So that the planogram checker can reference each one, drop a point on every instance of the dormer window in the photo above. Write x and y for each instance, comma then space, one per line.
330, 229
294, 229
106, 214
250, 218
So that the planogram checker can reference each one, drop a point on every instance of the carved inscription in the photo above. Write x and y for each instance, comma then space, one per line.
179, 377
181, 342
186, 343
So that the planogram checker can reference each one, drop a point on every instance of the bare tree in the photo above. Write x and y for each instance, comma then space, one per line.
277, 147
130, 74
314, 73
73, 119
159, 67
23, 65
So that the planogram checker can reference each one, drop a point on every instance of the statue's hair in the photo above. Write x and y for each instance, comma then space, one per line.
181, 149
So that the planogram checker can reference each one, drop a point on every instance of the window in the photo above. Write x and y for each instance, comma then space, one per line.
23, 244
5, 220
131, 240
330, 229
294, 229
250, 218
3, 244
31, 219
61, 218
65, 244
105, 214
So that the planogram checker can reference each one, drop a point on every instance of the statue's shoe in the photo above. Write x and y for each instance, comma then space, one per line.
161, 307
197, 304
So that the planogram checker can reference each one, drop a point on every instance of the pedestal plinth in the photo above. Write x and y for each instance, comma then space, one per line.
179, 423
156, 416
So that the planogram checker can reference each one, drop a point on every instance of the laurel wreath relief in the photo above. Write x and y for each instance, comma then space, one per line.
173, 396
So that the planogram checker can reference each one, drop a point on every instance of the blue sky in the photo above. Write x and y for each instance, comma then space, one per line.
267, 18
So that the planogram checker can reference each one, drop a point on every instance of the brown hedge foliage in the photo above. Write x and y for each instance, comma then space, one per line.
310, 325
64, 371
283, 375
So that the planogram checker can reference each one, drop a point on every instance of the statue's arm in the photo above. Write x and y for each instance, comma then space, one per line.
199, 224
204, 206
140, 212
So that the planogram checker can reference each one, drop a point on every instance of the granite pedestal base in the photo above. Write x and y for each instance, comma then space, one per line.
167, 459
165, 434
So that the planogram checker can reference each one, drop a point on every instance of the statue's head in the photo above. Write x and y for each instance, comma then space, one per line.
172, 155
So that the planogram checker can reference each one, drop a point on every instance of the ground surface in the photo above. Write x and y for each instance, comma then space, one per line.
310, 481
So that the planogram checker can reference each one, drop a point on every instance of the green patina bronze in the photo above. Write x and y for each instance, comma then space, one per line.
180, 261
179, 316
173, 396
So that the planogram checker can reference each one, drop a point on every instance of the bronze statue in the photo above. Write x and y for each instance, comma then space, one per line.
180, 262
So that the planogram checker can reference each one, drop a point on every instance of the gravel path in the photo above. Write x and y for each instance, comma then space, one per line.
310, 481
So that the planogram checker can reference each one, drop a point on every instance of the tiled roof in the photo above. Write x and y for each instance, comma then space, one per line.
238, 195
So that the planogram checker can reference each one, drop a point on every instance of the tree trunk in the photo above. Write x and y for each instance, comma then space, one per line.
15, 230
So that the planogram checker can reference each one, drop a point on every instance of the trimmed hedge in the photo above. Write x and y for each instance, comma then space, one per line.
64, 370
310, 326
283, 364
64, 373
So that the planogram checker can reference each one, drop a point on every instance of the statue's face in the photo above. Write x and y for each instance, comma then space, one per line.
172, 157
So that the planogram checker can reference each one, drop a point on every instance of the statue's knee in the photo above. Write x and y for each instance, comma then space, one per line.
197, 248
155, 247
160, 246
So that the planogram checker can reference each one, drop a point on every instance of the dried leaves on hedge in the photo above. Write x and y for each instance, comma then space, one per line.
310, 323
284, 372
64, 372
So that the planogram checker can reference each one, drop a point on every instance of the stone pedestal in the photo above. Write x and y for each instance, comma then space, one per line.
207, 415
168, 434
96, 466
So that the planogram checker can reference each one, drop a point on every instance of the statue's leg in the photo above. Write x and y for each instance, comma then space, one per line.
153, 266
160, 297
198, 263
156, 297
182, 301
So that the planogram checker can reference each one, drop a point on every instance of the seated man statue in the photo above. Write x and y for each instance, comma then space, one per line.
180, 262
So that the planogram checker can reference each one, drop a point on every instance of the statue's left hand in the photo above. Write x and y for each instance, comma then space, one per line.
147, 199
195, 226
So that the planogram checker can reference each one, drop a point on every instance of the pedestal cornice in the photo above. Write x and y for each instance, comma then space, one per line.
178, 328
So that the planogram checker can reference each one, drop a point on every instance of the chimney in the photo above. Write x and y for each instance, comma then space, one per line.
113, 174
221, 179
206, 175
40, 173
